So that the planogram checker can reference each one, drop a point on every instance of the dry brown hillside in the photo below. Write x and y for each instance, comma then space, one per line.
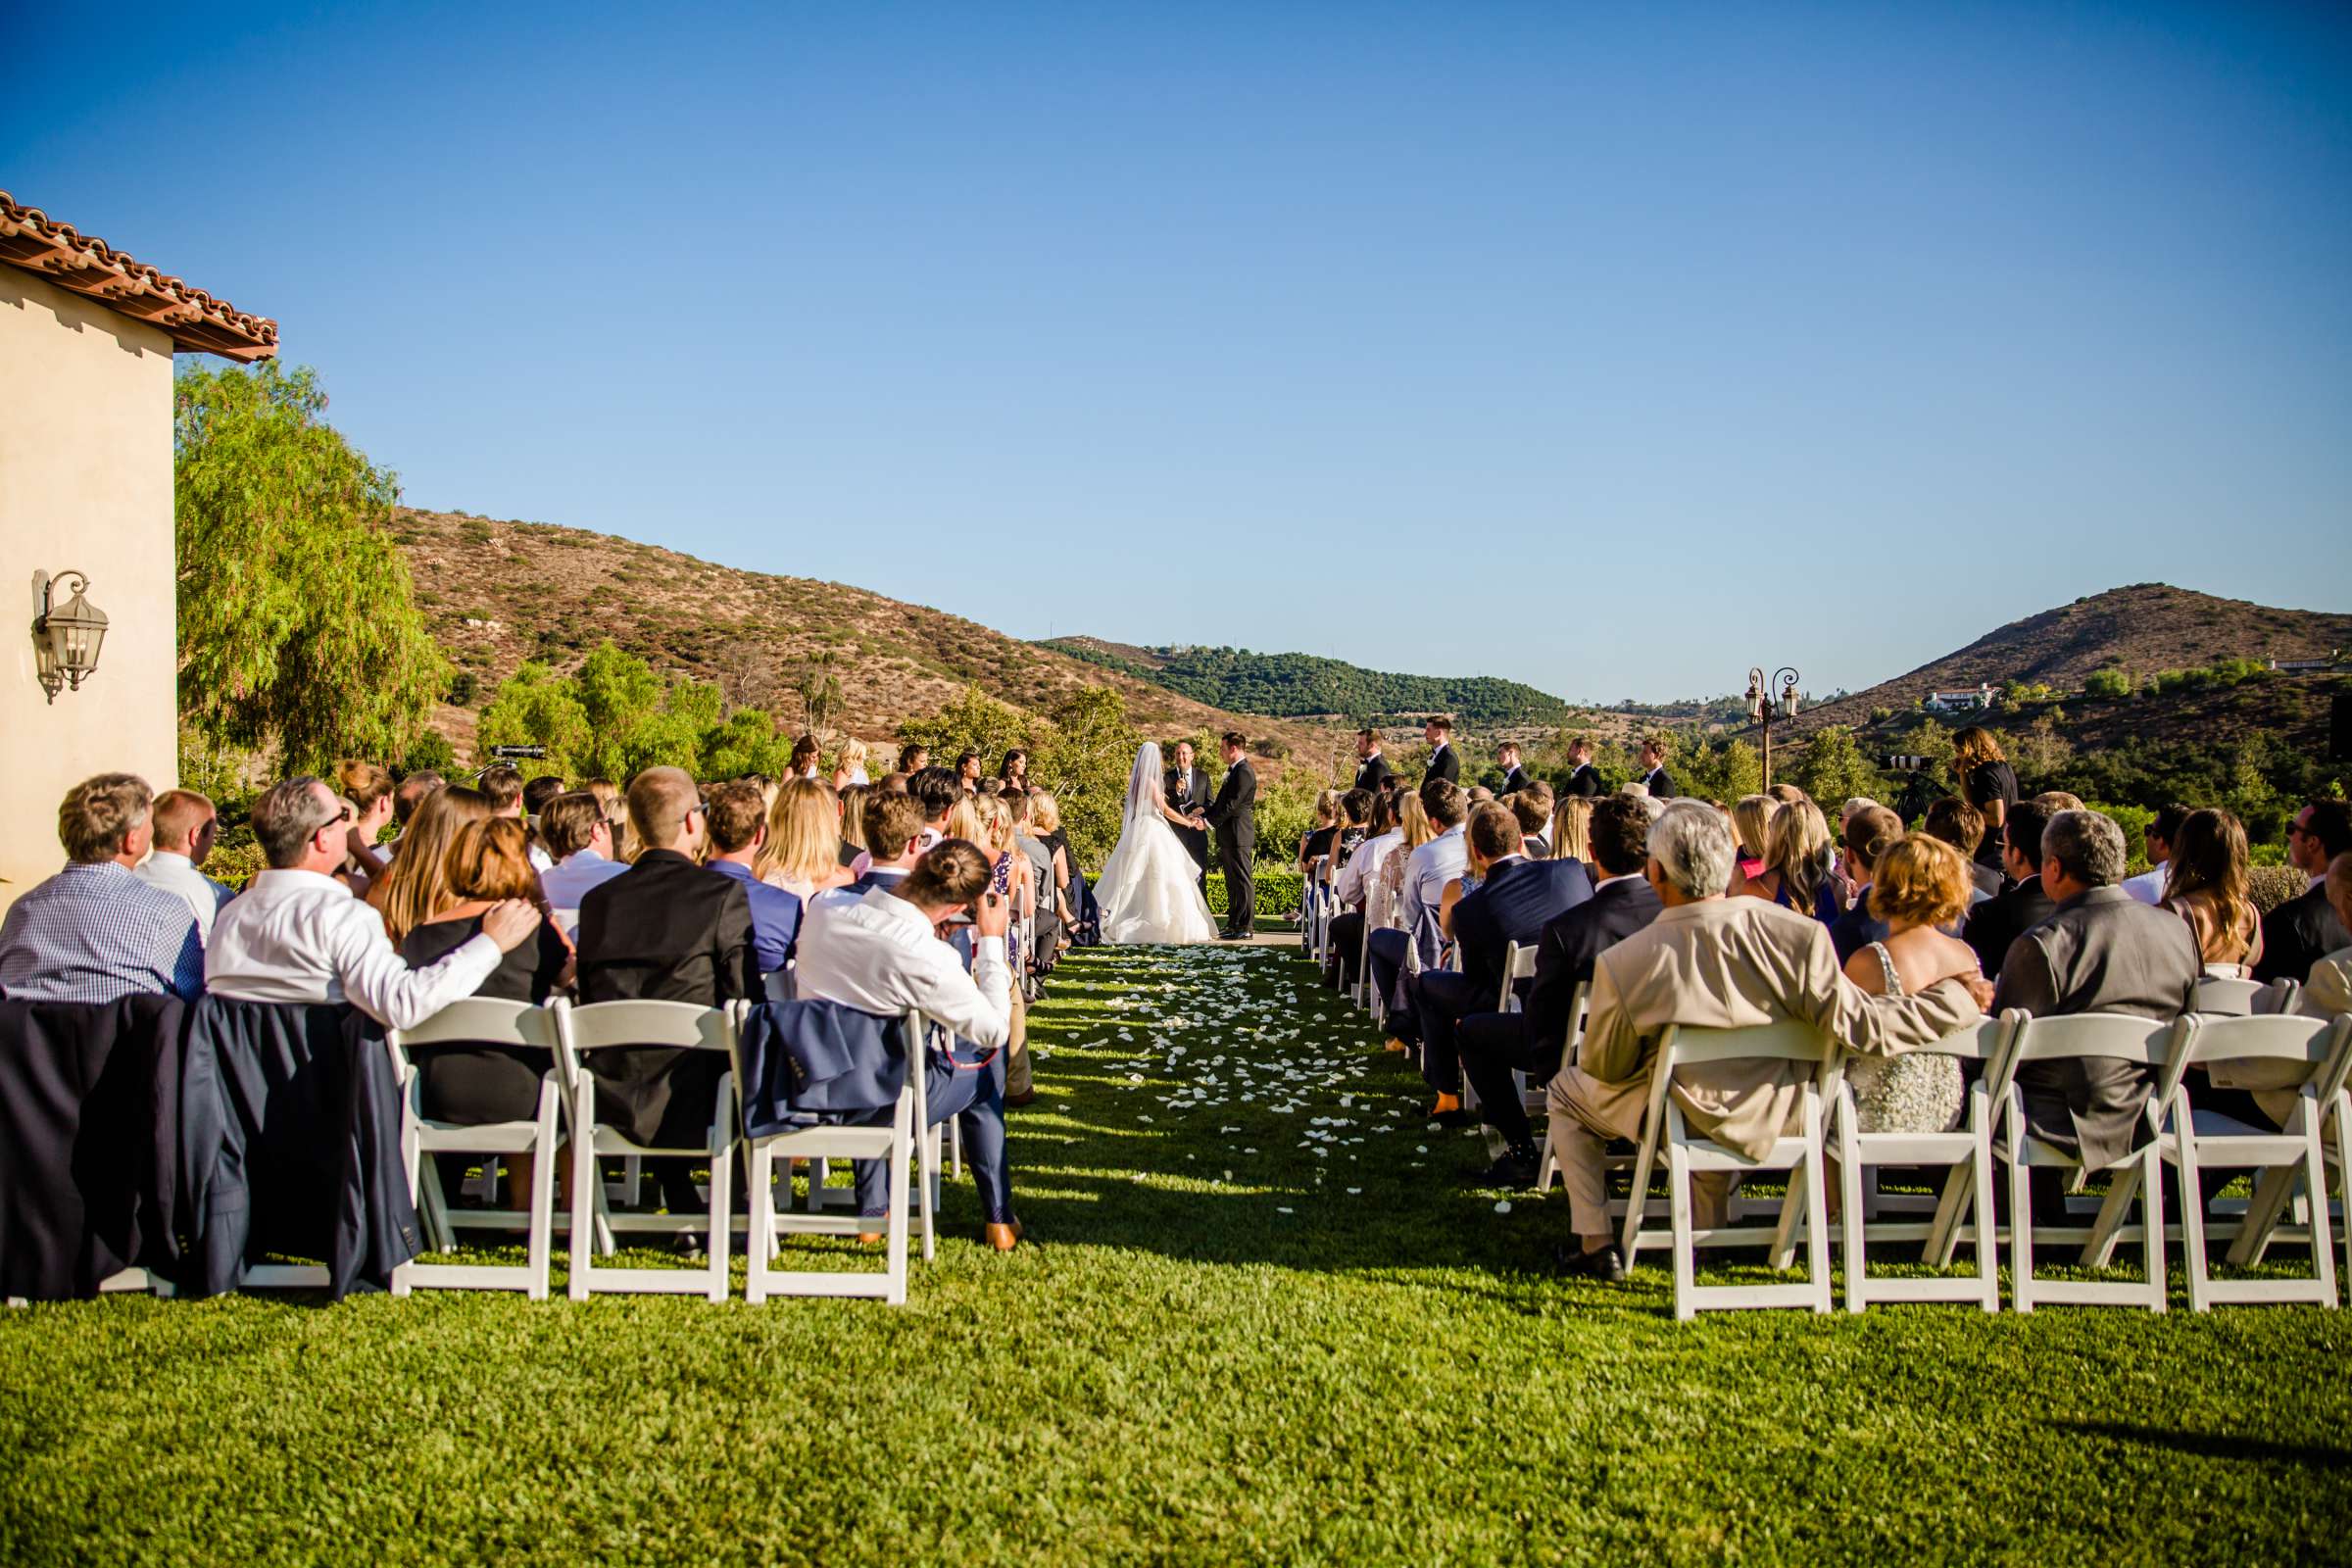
500, 593
2143, 630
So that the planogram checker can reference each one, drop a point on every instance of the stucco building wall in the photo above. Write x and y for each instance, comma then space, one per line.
85, 483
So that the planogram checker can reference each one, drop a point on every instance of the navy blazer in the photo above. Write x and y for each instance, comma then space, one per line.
1571, 942
804, 1062
1517, 900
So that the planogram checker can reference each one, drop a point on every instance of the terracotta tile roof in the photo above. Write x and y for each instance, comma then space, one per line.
31, 239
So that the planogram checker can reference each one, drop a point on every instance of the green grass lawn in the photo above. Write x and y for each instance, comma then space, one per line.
1222, 1346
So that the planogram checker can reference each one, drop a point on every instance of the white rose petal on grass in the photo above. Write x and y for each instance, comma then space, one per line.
1353, 1191
1420, 1148
1504, 1208
1279, 1209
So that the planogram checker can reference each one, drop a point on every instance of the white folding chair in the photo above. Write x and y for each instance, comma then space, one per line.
1549, 1169
480, 1020
2083, 1036
1361, 993
582, 1031
1518, 965
893, 1142
2229, 996
2194, 1139
1964, 1155
1688, 1154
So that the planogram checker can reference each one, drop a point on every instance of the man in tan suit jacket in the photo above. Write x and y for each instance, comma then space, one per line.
1710, 962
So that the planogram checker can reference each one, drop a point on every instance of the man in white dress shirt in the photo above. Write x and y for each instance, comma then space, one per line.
2148, 886
185, 825
884, 954
580, 838
298, 935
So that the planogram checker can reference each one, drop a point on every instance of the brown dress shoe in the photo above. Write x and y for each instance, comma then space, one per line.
1002, 1237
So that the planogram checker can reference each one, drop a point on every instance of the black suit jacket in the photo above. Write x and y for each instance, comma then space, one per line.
1518, 898
1514, 781
1585, 781
1661, 785
2298, 934
2104, 952
664, 930
1444, 763
1374, 770
1987, 878
1998, 921
1186, 792
1234, 812
1565, 952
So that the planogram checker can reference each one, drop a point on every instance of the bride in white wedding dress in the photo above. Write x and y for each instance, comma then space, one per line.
1149, 891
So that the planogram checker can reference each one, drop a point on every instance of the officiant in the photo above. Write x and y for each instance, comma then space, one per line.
1189, 795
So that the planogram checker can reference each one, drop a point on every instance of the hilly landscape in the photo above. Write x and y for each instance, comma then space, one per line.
1309, 686
498, 593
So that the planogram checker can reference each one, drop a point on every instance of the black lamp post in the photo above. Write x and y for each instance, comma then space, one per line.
1762, 707
66, 637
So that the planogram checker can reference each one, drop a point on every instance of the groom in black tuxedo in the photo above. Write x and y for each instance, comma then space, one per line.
1233, 816
1187, 787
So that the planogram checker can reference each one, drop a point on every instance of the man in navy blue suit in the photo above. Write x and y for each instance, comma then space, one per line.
1494, 1044
1516, 898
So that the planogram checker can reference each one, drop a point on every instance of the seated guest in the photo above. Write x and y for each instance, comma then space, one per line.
852, 800
1421, 890
1751, 832
1916, 888
616, 816
368, 787
894, 829
1494, 1044
1353, 889
1514, 777
1040, 855
2056, 800
802, 853
1796, 864
579, 836
408, 894
405, 800
2098, 951
185, 825
1516, 898
667, 931
1069, 883
1532, 805
2206, 886
939, 789
738, 820
504, 785
1840, 881
1999, 921
883, 955
1869, 833
1571, 822
472, 1085
536, 795
2325, 993
1962, 826
2304, 929
95, 931
2148, 886
1716, 962
1315, 846
1722, 964
298, 935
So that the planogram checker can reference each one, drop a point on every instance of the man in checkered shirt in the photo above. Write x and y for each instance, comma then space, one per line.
94, 932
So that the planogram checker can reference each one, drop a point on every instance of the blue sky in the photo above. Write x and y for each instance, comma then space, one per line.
1609, 349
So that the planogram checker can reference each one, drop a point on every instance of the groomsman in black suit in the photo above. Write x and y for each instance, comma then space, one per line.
1653, 769
1997, 922
1373, 769
1444, 761
1585, 780
1187, 785
1514, 777
1233, 815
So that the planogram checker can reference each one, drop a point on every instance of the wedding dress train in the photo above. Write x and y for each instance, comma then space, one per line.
1149, 893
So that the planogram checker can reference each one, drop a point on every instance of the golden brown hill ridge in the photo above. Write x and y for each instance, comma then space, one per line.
2143, 630
498, 593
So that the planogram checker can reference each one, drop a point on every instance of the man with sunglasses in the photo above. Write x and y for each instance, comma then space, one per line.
297, 935
2304, 929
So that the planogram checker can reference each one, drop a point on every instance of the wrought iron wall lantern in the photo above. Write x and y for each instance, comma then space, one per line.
66, 637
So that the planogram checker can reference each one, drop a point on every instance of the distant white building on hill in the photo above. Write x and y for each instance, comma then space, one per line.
1958, 702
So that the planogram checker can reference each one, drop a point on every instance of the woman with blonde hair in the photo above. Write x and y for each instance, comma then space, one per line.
853, 822
1796, 864
849, 766
1413, 823
1919, 886
1572, 828
615, 808
416, 886
1752, 830
2206, 885
803, 852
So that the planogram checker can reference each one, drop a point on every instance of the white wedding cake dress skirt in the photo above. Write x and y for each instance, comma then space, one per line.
1148, 892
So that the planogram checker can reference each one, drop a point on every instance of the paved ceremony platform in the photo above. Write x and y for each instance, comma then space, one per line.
1260, 1318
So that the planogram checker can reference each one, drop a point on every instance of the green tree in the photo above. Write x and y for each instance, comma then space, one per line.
1834, 768
1084, 757
2107, 683
536, 706
1721, 771
746, 740
298, 621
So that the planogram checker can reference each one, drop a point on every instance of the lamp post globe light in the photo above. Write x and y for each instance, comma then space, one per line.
1763, 707
66, 637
